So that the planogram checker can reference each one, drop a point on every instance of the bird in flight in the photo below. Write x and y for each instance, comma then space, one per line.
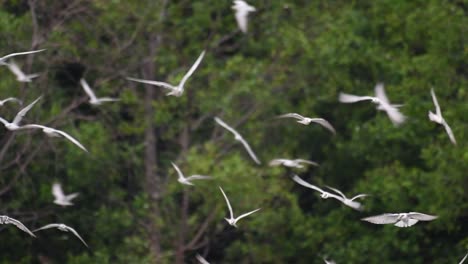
52, 132
92, 97
239, 138
6, 57
187, 181
20, 75
439, 119
64, 228
60, 197
295, 163
307, 120
15, 124
8, 220
380, 100
242, 10
177, 90
12, 99
400, 219
349, 202
201, 259
233, 221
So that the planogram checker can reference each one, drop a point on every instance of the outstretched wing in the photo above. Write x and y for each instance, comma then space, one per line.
227, 201
77, 235
449, 132
382, 219
47, 227
306, 184
13, 99
88, 89
291, 115
349, 98
246, 214
20, 225
250, 151
463, 260
226, 126
160, 84
19, 53
15, 69
421, 216
307, 162
24, 111
436, 103
57, 191
179, 173
337, 191
199, 177
73, 140
192, 69
324, 123
276, 162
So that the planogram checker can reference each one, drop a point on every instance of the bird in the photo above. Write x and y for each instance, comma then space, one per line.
329, 261
52, 132
92, 97
8, 220
295, 163
239, 138
307, 120
400, 219
233, 221
242, 10
20, 75
380, 100
439, 119
201, 259
187, 181
13, 99
4, 58
350, 202
464, 258
64, 228
19, 116
60, 197
177, 90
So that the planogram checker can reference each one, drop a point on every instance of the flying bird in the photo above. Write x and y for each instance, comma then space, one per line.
242, 10
15, 124
20, 75
400, 220
239, 138
349, 202
380, 100
439, 119
8, 220
12, 99
64, 228
60, 197
177, 90
187, 181
52, 132
92, 97
232, 221
295, 163
201, 259
4, 58
307, 120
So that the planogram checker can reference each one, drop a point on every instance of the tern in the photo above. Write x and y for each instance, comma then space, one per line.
350, 202
187, 181
239, 138
464, 258
64, 228
4, 58
92, 97
439, 119
400, 219
60, 197
307, 120
295, 163
15, 124
177, 90
8, 220
232, 221
20, 75
201, 259
380, 100
52, 132
242, 10
13, 99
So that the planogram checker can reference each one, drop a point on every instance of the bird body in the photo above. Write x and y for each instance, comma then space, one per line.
64, 228
242, 10
307, 120
439, 119
188, 180
295, 163
233, 221
400, 219
201, 259
60, 197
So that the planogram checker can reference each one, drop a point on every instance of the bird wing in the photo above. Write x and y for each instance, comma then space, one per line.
337, 191
199, 177
88, 89
77, 235
19, 53
24, 111
73, 140
241, 18
463, 260
179, 173
380, 93
421, 216
291, 115
250, 151
46, 227
349, 98
382, 219
72, 196
201, 259
4, 121
160, 84
394, 114
108, 99
324, 123
449, 132
436, 103
276, 162
12, 99
226, 126
15, 69
20, 225
306, 184
227, 201
57, 191
192, 69
246, 214
307, 162
359, 196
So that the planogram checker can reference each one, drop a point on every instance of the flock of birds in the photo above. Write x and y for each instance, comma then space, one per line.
242, 9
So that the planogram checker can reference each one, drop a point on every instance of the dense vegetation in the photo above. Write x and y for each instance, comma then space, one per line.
296, 57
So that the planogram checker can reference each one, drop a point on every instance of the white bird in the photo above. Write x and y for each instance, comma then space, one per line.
242, 10
201, 259
8, 220
64, 228
323, 193
232, 221
239, 138
307, 120
92, 97
463, 260
350, 202
295, 163
329, 261
52, 132
400, 219
4, 58
187, 181
60, 197
20, 75
380, 100
13, 99
15, 124
439, 119
177, 90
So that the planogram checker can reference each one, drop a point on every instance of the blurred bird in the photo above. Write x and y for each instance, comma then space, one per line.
60, 197
307, 120
296, 163
400, 219
239, 138
232, 221
201, 259
439, 119
52, 132
8, 220
20, 75
64, 228
242, 10
92, 97
13, 99
15, 124
177, 90
329, 261
4, 58
187, 181
350, 202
